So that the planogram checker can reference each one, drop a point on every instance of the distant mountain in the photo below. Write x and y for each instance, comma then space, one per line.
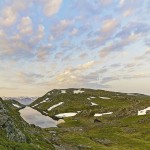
22, 99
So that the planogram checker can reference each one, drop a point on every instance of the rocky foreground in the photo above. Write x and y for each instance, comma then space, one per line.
15, 133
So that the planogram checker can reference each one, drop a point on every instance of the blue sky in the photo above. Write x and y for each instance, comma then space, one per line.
47, 44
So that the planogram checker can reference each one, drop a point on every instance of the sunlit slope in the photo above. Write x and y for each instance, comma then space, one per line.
90, 101
100, 119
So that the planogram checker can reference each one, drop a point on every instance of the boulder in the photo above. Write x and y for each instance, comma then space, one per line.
96, 120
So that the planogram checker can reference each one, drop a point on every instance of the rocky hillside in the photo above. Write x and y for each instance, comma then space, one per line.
8, 125
97, 119
15, 133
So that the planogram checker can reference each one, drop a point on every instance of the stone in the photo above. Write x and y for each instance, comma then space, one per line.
105, 142
96, 120
84, 146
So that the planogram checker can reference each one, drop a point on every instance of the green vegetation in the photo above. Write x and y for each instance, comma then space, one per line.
122, 130
118, 102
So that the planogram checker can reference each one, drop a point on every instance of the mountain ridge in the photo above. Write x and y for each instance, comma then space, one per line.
26, 100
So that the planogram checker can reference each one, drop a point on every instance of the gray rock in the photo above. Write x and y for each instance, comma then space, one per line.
3, 119
13, 133
2, 109
97, 120
52, 132
7, 124
65, 147
105, 142
84, 147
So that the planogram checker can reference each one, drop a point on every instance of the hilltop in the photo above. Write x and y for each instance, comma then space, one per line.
92, 101
98, 119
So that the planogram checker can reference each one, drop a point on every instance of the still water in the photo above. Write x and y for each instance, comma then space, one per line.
33, 116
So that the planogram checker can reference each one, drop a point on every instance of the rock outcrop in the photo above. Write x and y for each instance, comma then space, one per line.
7, 124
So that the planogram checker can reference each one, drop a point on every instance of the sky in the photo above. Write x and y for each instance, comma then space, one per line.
57, 44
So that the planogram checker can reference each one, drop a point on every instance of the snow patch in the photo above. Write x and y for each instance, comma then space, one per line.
93, 104
77, 91
54, 106
97, 115
63, 91
44, 101
15, 105
65, 115
45, 112
104, 97
92, 97
41, 102
35, 105
143, 112
78, 111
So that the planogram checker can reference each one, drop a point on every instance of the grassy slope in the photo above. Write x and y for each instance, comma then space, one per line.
122, 130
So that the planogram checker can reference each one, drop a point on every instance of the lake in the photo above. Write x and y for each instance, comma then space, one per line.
33, 116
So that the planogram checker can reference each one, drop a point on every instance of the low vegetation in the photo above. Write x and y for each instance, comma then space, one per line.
121, 130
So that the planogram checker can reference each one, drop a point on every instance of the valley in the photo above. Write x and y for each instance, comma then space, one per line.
84, 119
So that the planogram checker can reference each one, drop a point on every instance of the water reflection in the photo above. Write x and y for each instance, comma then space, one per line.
33, 116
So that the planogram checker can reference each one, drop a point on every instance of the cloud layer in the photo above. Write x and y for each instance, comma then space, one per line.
47, 44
